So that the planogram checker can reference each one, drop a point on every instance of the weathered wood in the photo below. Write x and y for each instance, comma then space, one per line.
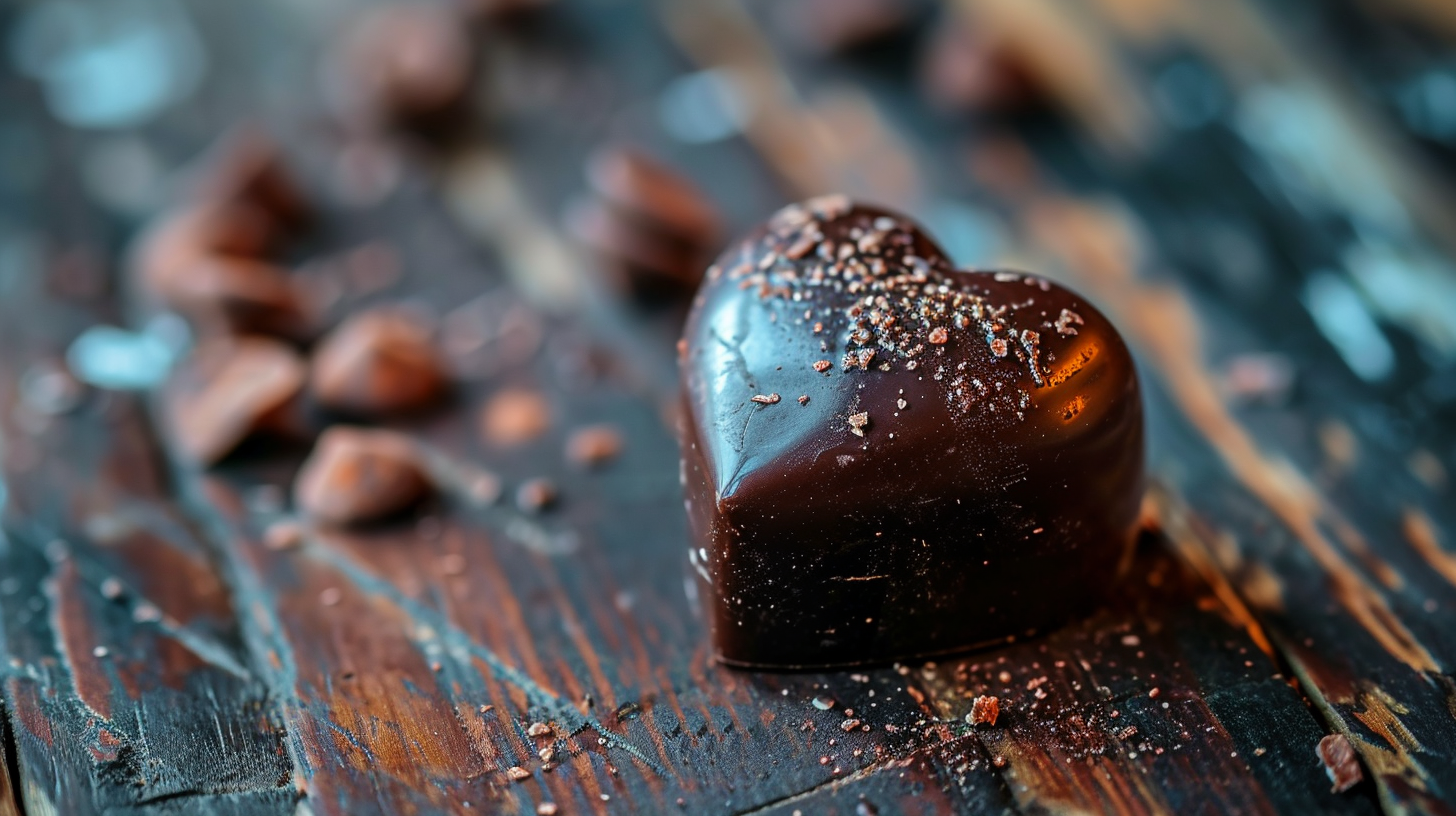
398, 669
1298, 500
125, 686
9, 794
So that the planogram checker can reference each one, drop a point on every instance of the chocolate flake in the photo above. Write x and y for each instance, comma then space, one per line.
765, 399
984, 709
594, 445
1341, 763
1065, 321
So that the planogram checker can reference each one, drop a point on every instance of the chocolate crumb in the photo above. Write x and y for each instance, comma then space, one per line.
984, 709
283, 535
1065, 321
593, 446
766, 399
539, 729
858, 422
515, 416
1341, 764
517, 773
112, 589
938, 336
803, 399
536, 495
546, 809
823, 366
849, 724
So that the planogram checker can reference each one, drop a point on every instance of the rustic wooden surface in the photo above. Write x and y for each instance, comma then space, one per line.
1298, 577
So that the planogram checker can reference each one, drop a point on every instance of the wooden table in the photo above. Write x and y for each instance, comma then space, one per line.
1244, 188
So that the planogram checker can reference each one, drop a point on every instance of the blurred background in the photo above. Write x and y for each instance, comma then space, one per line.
1276, 174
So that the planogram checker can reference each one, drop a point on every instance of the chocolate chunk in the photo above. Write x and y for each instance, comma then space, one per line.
403, 65
649, 191
356, 475
378, 363
841, 26
179, 238
230, 389
931, 497
964, 68
515, 416
652, 229
248, 167
1342, 765
229, 294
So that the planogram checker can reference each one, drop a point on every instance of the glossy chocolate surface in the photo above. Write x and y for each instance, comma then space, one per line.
885, 458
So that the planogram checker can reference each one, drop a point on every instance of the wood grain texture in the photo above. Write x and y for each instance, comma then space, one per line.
9, 794
1296, 576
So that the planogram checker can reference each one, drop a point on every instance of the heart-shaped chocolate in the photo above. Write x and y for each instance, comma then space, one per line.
886, 458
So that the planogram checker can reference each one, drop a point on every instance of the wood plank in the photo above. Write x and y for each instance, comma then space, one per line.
411, 686
125, 685
488, 606
405, 663
9, 793
1297, 493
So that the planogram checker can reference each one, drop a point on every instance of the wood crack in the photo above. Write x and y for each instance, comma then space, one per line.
10, 802
459, 644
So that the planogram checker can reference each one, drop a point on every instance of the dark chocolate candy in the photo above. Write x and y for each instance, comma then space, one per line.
886, 458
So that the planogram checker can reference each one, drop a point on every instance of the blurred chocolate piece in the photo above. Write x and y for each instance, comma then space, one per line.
230, 294
378, 363
842, 26
653, 229
230, 389
968, 467
593, 446
964, 68
652, 193
179, 238
406, 65
285, 534
536, 496
357, 475
248, 167
515, 416
496, 11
